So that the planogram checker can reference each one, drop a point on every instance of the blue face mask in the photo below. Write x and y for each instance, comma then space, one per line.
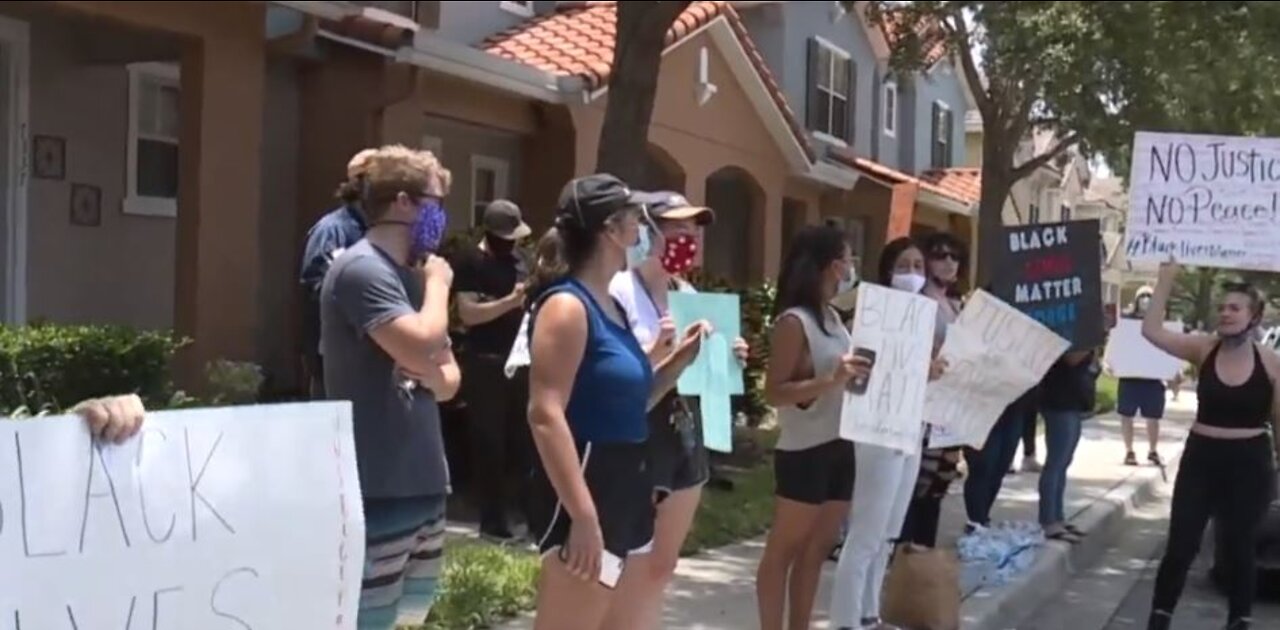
637, 254
428, 229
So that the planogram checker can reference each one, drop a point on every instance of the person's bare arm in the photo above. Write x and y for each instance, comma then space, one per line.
411, 339
558, 343
785, 382
473, 312
444, 379
1192, 348
1271, 361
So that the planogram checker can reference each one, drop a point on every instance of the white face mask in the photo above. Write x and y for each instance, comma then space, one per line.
637, 254
909, 282
846, 292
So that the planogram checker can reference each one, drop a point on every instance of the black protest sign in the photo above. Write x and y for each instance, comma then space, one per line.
1053, 273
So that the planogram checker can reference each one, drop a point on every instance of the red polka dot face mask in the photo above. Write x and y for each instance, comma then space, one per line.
679, 254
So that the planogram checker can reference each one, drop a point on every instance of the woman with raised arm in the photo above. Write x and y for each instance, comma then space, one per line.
1227, 471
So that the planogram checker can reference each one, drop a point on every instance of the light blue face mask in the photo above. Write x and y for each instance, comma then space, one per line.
637, 254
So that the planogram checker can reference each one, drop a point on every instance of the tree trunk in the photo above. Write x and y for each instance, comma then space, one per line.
633, 82
996, 185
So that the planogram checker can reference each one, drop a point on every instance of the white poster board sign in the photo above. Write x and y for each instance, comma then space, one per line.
995, 354
1210, 201
898, 326
231, 518
1130, 355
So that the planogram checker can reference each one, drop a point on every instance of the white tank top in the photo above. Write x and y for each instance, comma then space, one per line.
819, 423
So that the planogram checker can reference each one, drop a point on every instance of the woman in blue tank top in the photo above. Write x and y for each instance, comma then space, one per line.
590, 389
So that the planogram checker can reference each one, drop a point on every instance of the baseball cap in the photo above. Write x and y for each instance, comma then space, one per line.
588, 202
359, 163
672, 206
502, 219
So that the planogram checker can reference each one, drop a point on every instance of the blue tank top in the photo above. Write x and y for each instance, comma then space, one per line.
610, 397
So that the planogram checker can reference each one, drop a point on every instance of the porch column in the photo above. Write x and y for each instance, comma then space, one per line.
765, 266
219, 203
902, 207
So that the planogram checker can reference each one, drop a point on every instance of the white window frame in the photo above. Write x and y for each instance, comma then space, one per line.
944, 108
501, 185
890, 113
522, 9
434, 144
134, 203
837, 51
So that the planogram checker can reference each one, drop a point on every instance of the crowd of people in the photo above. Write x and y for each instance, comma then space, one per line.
569, 374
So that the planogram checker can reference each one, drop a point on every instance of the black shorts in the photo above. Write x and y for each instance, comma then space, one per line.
621, 485
677, 454
815, 475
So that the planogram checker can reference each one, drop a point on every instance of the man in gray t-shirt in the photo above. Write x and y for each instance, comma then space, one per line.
384, 334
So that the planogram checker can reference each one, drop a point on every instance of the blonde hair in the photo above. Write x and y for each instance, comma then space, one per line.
394, 169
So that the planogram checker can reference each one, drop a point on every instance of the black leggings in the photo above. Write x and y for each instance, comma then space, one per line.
1230, 481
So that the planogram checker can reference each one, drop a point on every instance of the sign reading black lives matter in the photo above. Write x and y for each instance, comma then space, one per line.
1053, 272
1210, 201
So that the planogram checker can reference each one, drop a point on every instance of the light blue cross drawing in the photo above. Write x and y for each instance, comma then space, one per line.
715, 375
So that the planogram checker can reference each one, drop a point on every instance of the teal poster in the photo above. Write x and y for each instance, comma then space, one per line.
716, 374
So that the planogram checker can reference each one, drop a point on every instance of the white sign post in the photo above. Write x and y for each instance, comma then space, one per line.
995, 354
1130, 355
897, 326
1210, 201
241, 518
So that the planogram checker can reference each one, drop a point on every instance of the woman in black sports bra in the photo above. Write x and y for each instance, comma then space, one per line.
1228, 469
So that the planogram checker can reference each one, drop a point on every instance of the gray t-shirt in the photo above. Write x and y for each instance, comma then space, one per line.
399, 448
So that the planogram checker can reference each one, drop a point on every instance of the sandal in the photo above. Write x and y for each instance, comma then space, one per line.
1065, 536
1075, 530
1131, 459
1154, 458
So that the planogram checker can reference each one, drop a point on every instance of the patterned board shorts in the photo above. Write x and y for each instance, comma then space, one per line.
404, 555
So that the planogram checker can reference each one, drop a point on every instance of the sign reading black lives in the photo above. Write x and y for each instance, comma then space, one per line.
1053, 273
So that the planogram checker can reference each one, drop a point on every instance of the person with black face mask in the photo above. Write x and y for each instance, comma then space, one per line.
490, 293
1228, 469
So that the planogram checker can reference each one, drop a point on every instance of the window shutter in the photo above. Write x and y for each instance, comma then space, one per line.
811, 116
949, 149
935, 121
852, 98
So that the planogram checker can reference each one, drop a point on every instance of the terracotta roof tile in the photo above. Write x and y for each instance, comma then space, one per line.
961, 183
592, 29
933, 39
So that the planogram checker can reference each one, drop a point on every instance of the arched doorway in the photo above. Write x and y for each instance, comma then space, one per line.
731, 252
661, 172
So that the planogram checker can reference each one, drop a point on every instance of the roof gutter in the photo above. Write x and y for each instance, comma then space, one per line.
325, 10
464, 62
945, 203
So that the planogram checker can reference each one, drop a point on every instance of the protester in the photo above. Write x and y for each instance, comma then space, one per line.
1141, 397
341, 228
883, 484
987, 467
946, 260
809, 366
677, 456
591, 386
385, 336
1068, 392
490, 289
1227, 470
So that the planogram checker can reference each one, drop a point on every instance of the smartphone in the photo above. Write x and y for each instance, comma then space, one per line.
610, 570
858, 385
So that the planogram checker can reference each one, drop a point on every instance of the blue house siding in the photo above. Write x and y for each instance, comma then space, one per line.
470, 22
944, 85
889, 147
795, 24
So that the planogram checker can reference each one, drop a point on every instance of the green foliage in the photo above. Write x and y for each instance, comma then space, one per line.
725, 518
233, 382
482, 584
47, 368
1107, 394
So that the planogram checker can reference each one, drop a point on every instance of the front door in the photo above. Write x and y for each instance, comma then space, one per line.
15, 159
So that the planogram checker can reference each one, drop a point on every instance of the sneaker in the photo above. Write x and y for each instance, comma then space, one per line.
1031, 465
1154, 458
1130, 459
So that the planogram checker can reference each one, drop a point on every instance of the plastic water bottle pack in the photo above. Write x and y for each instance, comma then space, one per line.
994, 556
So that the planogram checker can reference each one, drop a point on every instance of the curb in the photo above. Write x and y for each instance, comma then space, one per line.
1057, 563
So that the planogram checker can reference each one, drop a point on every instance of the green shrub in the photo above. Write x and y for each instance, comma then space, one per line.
482, 584
1107, 394
47, 368
233, 382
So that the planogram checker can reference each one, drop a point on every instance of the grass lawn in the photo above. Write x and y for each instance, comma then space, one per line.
1107, 387
485, 583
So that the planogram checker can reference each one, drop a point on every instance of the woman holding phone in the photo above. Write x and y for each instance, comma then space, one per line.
809, 367
590, 387
883, 485
1228, 471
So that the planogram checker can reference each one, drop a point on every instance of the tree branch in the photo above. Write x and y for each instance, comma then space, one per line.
1030, 166
964, 51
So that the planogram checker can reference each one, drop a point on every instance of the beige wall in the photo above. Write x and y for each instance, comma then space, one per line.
726, 135
121, 272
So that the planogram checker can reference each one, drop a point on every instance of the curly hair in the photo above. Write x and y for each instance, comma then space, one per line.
395, 169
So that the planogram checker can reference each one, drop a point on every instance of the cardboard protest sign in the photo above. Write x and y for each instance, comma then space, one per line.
995, 354
242, 517
716, 374
1130, 355
1210, 201
897, 326
1053, 272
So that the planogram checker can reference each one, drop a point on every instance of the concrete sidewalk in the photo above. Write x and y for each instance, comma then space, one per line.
716, 590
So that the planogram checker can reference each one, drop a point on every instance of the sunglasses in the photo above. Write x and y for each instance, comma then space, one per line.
945, 255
